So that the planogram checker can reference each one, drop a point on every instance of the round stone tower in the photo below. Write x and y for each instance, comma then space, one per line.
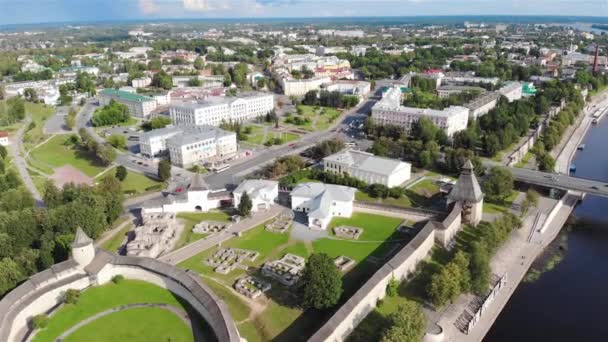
83, 250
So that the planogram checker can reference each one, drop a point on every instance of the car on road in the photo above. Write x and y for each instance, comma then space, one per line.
594, 187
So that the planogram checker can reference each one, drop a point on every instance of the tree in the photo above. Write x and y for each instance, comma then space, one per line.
479, 267
3, 152
498, 185
461, 260
164, 170
545, 162
321, 283
70, 119
392, 287
245, 205
199, 63
112, 114
121, 173
407, 324
531, 200
162, 80
118, 141
71, 296
30, 95
52, 195
194, 82
40, 321
445, 285
10, 274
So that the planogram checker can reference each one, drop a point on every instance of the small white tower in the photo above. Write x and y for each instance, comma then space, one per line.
83, 250
468, 193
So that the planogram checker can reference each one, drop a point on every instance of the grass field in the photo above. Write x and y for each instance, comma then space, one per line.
320, 117
191, 219
495, 208
54, 154
135, 182
524, 161
40, 113
137, 324
101, 298
281, 320
112, 244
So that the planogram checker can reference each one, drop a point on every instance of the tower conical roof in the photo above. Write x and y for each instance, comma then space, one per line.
198, 183
467, 187
81, 238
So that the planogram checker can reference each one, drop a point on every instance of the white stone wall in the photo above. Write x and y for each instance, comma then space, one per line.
376, 290
43, 304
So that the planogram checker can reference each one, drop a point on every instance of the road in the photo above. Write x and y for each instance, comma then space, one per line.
217, 239
19, 154
554, 180
239, 171
128, 159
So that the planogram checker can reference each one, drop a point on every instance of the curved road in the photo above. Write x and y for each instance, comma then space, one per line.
18, 153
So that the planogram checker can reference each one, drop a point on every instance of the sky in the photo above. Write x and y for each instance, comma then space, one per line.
42, 11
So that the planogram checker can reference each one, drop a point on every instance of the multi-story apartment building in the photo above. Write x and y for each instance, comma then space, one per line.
389, 111
513, 91
189, 145
139, 106
213, 111
482, 105
201, 144
294, 87
368, 168
141, 82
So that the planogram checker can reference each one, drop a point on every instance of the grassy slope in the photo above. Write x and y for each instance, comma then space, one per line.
137, 324
101, 298
55, 154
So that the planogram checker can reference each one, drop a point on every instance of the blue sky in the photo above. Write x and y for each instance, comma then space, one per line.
28, 11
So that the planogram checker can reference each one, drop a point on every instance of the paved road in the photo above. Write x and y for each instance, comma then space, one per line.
555, 180
56, 123
239, 171
217, 239
18, 154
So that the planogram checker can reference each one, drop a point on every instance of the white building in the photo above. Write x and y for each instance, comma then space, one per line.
368, 168
139, 106
349, 87
4, 139
215, 110
322, 202
201, 144
343, 33
482, 105
263, 193
141, 82
512, 91
154, 142
294, 87
198, 198
389, 111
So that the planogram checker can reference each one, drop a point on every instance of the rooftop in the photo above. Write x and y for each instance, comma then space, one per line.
367, 162
125, 95
466, 188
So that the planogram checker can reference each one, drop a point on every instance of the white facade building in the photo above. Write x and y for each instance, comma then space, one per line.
154, 142
294, 87
389, 111
201, 144
348, 87
322, 202
482, 105
198, 198
512, 91
139, 106
263, 193
141, 82
368, 168
213, 111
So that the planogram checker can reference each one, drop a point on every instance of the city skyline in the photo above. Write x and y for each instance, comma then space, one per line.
46, 11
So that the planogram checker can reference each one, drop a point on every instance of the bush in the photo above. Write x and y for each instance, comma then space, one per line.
40, 321
392, 287
118, 278
72, 296
130, 192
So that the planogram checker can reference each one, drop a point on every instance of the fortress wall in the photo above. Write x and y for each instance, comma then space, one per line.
351, 313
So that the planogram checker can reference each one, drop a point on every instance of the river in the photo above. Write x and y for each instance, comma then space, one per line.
569, 302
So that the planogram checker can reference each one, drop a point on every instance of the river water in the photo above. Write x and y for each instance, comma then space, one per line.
569, 303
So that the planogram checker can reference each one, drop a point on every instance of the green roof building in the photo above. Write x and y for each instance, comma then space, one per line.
139, 106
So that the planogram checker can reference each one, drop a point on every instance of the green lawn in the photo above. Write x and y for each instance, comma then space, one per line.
136, 324
135, 182
320, 117
112, 244
524, 161
402, 201
191, 219
495, 208
101, 298
426, 187
54, 154
40, 113
280, 316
